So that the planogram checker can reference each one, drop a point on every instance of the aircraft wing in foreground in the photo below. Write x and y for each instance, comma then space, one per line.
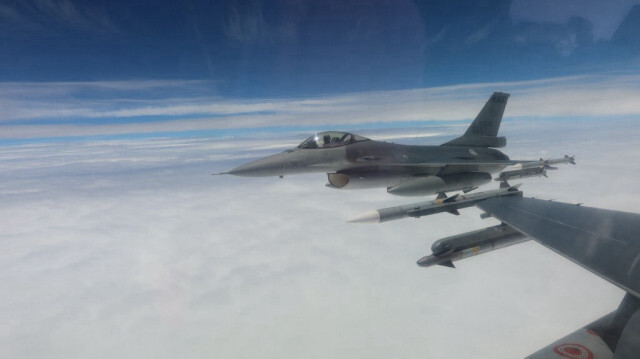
603, 241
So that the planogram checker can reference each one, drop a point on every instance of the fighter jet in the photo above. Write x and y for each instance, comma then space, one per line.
353, 161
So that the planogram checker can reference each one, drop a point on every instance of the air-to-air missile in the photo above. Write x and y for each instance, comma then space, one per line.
440, 204
532, 169
450, 249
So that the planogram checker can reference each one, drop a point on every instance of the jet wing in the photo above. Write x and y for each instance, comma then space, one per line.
453, 165
452, 162
603, 241
471, 161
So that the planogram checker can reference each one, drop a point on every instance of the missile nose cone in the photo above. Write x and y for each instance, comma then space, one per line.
427, 261
369, 217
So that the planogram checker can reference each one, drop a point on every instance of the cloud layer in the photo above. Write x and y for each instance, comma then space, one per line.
49, 110
131, 249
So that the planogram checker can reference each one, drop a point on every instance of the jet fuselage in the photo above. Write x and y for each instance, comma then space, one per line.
366, 163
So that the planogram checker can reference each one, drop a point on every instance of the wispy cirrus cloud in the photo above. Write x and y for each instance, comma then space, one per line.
605, 16
54, 18
35, 110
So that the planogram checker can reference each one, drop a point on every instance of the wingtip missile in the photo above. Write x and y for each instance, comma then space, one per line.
533, 169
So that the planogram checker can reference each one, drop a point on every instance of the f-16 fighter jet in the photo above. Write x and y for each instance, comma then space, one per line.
353, 161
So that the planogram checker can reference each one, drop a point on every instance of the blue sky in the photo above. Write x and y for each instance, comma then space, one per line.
104, 64
292, 48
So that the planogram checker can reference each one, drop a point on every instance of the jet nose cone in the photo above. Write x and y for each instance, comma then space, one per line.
270, 166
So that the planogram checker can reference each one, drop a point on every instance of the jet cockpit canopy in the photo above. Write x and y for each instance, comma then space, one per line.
331, 139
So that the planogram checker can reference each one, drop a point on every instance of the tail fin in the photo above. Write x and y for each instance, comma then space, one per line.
483, 132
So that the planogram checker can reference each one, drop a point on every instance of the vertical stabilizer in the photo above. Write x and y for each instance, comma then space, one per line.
483, 131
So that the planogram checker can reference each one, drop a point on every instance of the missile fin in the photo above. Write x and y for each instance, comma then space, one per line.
447, 264
441, 195
504, 184
572, 159
486, 215
454, 211
451, 199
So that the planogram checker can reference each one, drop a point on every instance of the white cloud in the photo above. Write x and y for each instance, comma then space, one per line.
57, 112
130, 248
